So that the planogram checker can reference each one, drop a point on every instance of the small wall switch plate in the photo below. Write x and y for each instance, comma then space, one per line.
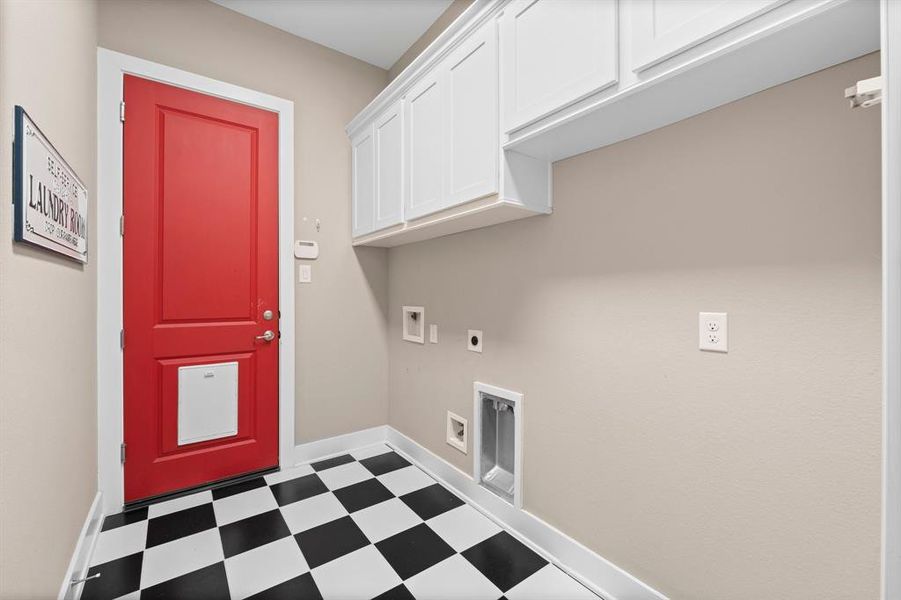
457, 432
713, 332
433, 333
304, 273
414, 324
474, 340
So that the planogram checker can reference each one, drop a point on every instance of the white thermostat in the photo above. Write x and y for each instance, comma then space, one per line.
306, 249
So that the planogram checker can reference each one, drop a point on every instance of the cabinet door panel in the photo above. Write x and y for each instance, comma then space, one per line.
472, 109
553, 53
663, 28
389, 168
363, 182
425, 147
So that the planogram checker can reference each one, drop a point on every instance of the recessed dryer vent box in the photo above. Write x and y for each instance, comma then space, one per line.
498, 441
414, 324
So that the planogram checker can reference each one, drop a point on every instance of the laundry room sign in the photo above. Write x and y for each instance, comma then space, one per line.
51, 202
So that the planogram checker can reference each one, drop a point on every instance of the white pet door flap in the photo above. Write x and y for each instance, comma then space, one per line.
207, 402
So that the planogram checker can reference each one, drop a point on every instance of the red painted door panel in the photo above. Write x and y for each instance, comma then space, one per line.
200, 268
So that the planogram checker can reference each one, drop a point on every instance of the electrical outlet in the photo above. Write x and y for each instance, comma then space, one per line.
474, 340
713, 332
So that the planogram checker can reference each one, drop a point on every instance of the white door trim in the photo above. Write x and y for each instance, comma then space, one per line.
111, 67
891, 298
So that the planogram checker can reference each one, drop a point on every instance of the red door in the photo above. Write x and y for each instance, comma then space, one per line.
200, 285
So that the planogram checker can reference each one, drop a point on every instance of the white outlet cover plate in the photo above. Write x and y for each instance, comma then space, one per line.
474, 333
713, 332
304, 273
433, 333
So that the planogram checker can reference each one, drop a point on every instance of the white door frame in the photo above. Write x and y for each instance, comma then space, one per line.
111, 67
891, 298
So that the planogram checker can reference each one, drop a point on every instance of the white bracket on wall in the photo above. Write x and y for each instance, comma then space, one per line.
866, 93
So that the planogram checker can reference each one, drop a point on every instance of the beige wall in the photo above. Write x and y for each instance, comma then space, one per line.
342, 356
48, 417
709, 476
453, 11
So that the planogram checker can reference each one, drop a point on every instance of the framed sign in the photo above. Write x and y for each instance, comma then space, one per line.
51, 202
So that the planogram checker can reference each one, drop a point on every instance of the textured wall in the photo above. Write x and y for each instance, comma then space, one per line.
340, 317
710, 476
48, 416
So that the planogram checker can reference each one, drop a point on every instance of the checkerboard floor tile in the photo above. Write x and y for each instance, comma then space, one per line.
365, 525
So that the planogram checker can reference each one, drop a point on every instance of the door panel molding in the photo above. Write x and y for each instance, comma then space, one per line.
363, 157
534, 81
425, 147
655, 40
111, 69
388, 132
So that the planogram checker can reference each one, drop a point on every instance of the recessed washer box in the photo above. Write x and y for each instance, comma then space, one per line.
414, 324
207, 402
457, 432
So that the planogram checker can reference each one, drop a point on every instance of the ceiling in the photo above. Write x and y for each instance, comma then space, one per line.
375, 31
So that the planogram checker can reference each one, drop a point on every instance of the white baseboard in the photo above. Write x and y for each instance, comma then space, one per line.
594, 571
339, 444
84, 549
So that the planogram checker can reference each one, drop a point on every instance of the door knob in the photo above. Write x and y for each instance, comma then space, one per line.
267, 336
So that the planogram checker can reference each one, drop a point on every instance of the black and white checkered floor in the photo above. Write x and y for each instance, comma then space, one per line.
363, 525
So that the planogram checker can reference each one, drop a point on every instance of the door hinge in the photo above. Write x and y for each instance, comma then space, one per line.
122, 339
122, 452
122, 225
122, 111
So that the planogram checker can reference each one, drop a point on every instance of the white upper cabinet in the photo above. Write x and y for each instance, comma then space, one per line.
363, 163
465, 136
663, 28
553, 53
425, 148
388, 136
426, 153
472, 108
452, 133
378, 162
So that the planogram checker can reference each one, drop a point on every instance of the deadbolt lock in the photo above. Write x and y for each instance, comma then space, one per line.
267, 315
